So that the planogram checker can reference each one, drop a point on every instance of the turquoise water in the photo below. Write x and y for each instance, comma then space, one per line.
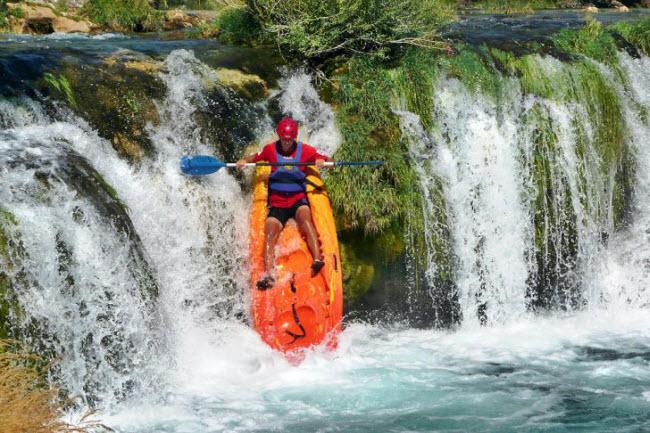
589, 372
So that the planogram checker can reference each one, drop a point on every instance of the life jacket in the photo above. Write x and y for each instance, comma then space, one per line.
288, 179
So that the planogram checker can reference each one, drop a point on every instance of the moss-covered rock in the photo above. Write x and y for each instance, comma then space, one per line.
10, 310
117, 97
250, 86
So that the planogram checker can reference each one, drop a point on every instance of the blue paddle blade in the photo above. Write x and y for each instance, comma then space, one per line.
200, 165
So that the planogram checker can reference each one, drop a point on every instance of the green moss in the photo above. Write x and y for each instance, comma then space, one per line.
116, 98
475, 70
18, 12
414, 82
591, 40
604, 108
10, 309
358, 273
368, 197
535, 80
110, 190
438, 236
637, 34
553, 215
504, 61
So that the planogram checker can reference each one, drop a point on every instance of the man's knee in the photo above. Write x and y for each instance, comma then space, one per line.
303, 214
272, 227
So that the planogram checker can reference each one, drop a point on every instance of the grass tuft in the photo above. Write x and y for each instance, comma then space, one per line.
28, 404
637, 34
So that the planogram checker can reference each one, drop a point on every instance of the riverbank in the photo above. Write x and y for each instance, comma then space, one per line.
98, 16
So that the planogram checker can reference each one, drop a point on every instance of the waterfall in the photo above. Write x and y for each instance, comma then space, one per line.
298, 98
79, 271
624, 278
532, 191
137, 275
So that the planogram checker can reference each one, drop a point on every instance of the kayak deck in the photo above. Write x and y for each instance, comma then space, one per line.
299, 311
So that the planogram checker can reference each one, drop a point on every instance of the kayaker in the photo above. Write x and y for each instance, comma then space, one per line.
287, 198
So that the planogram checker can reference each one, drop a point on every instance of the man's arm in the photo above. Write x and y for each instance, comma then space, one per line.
255, 157
318, 158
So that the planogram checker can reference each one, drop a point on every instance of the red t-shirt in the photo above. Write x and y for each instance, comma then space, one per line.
309, 154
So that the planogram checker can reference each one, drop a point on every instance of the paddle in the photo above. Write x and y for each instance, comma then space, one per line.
204, 164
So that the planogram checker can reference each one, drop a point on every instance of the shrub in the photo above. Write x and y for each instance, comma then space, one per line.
237, 26
327, 28
134, 15
18, 12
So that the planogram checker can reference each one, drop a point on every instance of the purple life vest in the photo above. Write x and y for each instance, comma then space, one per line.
287, 179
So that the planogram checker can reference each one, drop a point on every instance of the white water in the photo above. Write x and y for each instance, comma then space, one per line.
481, 150
204, 371
299, 99
624, 278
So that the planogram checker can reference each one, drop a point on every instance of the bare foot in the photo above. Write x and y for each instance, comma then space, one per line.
316, 267
266, 282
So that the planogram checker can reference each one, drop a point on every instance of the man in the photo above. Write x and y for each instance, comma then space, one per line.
287, 198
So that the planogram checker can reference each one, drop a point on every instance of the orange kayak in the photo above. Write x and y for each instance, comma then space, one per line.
299, 311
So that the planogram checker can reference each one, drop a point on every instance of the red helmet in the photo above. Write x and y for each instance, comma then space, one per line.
287, 128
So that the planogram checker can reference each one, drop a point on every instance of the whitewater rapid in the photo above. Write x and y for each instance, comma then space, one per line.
188, 362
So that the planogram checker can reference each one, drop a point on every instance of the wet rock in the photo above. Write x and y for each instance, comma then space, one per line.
127, 147
67, 25
34, 19
590, 8
250, 86
178, 20
228, 121
117, 97
10, 309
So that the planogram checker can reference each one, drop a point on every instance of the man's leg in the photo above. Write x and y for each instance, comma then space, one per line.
272, 230
303, 218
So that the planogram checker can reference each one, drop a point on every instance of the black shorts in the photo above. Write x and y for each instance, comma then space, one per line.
283, 214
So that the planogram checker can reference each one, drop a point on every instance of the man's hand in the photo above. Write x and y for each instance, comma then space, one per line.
241, 163
320, 163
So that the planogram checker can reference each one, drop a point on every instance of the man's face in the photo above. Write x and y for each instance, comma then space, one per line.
286, 142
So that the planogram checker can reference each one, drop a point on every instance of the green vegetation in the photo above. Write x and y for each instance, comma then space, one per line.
637, 34
520, 6
592, 40
28, 402
131, 15
380, 211
62, 86
9, 307
371, 199
195, 4
115, 97
18, 12
238, 26
316, 29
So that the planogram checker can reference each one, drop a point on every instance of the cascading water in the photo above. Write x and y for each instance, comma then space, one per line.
83, 275
513, 164
137, 275
624, 278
